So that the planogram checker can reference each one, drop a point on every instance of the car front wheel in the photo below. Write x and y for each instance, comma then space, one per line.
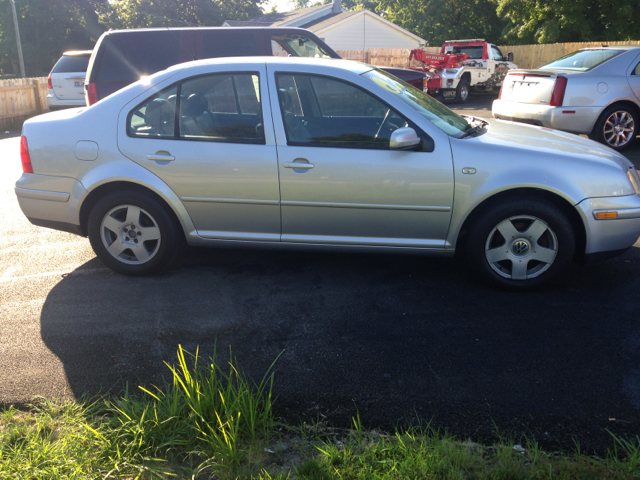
132, 233
521, 244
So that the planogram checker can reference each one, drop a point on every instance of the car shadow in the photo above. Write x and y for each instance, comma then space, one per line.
395, 336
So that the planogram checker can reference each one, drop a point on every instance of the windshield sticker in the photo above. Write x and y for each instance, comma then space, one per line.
387, 84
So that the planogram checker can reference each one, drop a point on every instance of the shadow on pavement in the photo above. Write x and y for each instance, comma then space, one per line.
393, 335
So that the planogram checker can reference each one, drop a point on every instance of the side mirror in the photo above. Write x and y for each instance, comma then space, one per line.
402, 138
510, 56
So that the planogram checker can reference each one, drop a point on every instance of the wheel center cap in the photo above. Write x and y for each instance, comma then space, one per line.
520, 248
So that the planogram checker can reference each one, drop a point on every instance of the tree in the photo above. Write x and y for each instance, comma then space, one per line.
547, 21
47, 29
178, 13
440, 20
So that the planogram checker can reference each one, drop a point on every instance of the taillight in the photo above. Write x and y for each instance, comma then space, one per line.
24, 156
501, 87
49, 85
557, 96
92, 93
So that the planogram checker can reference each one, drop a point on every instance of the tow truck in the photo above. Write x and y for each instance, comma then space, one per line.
462, 66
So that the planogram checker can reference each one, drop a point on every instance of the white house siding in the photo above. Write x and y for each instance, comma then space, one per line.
365, 31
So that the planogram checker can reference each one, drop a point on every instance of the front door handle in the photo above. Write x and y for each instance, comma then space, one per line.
300, 165
161, 156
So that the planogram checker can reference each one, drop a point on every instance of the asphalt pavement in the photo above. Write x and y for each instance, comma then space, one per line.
398, 337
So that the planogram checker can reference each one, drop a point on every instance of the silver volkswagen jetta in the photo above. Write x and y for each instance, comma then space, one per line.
593, 91
331, 154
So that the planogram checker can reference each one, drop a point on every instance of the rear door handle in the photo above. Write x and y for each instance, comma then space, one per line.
160, 157
304, 166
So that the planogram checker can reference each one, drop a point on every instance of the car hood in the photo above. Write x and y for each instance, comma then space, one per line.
542, 140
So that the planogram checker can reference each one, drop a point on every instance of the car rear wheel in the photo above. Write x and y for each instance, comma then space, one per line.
521, 244
617, 127
132, 233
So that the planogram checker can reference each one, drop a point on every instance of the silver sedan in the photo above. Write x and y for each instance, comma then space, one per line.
320, 154
593, 91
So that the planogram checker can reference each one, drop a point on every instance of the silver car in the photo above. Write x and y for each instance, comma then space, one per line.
320, 154
593, 91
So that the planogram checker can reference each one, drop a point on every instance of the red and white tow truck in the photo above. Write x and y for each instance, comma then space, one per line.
463, 66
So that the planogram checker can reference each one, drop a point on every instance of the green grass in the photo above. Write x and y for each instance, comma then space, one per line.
208, 422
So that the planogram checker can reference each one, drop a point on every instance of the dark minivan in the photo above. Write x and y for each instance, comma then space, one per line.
121, 57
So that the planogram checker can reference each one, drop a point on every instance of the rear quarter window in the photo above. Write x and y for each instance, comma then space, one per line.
229, 44
71, 63
130, 55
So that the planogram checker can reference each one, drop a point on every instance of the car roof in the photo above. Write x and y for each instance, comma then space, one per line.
613, 47
77, 53
179, 29
350, 65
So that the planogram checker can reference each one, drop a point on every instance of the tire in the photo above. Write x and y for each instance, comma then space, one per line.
462, 91
617, 127
132, 233
521, 244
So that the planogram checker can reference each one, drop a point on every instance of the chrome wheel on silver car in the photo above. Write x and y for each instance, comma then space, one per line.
521, 243
133, 233
617, 127
130, 234
521, 247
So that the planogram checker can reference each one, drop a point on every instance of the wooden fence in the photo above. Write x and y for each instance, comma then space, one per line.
22, 98
525, 56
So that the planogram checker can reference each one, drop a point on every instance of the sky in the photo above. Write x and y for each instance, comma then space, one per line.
283, 5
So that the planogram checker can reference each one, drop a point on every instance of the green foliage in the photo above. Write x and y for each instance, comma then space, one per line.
178, 13
549, 21
438, 20
47, 29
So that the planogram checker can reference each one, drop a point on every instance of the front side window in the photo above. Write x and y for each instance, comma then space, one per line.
582, 60
322, 111
497, 54
216, 108
296, 45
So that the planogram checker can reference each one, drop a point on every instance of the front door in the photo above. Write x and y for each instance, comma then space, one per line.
216, 156
339, 181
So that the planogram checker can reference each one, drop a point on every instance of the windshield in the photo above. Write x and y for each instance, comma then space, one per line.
442, 117
581, 60
296, 45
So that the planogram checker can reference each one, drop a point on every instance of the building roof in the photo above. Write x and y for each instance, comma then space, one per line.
328, 20
275, 19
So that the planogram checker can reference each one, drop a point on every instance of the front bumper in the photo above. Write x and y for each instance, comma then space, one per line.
50, 201
610, 235
569, 119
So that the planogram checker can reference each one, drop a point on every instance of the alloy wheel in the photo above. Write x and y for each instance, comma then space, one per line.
130, 234
619, 129
521, 247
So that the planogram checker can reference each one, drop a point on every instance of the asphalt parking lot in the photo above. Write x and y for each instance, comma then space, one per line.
394, 336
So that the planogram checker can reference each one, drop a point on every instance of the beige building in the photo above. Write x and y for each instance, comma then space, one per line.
340, 29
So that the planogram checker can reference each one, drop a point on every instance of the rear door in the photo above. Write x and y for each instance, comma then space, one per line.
633, 76
219, 156
67, 77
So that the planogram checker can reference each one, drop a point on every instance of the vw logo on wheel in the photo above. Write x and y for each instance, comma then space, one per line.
520, 248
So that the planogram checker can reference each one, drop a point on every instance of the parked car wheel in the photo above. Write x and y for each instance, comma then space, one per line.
521, 244
132, 233
617, 127
462, 92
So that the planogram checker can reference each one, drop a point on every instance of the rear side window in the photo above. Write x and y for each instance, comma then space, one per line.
71, 63
229, 44
215, 108
130, 55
